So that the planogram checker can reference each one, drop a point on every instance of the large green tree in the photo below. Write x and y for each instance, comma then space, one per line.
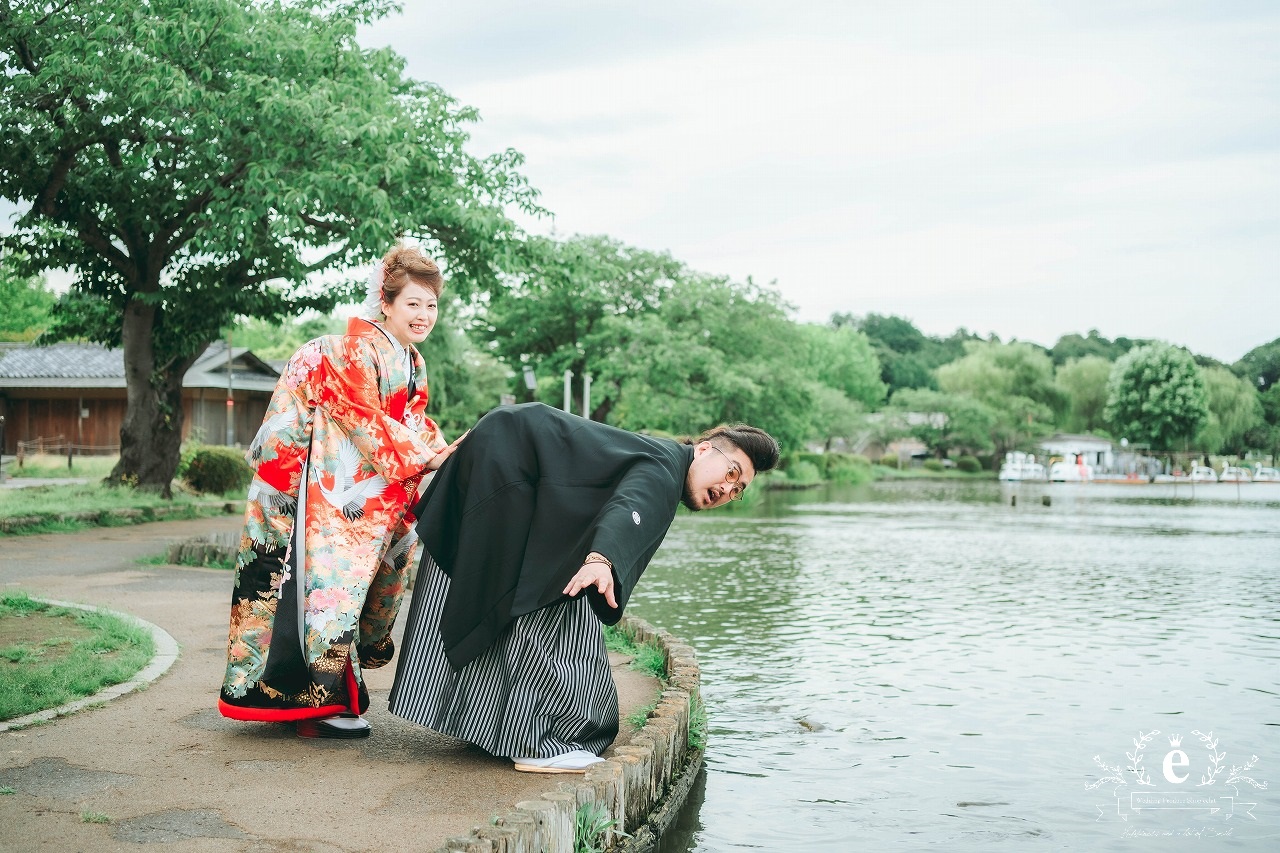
1265, 436
1260, 365
1074, 346
907, 356
1082, 386
993, 372
945, 422
555, 312
1014, 381
195, 160
842, 358
1156, 396
1235, 410
715, 351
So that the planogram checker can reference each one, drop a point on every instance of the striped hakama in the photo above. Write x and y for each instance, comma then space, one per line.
542, 689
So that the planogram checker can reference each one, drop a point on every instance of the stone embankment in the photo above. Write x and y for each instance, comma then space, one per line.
638, 791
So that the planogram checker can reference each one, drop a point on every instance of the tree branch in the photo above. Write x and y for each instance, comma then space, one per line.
196, 204
44, 202
320, 224
93, 237
52, 12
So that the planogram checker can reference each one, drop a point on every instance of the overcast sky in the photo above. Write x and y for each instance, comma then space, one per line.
1028, 169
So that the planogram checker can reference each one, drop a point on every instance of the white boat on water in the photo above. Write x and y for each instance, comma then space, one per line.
1020, 466
1266, 475
1233, 474
1073, 471
1203, 474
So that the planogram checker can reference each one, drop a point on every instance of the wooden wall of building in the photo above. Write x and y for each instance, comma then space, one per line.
57, 412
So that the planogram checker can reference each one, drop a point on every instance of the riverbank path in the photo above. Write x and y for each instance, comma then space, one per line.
160, 766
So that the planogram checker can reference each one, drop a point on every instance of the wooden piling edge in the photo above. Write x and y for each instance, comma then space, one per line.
637, 792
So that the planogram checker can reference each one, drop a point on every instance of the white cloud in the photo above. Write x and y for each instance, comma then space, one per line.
1031, 169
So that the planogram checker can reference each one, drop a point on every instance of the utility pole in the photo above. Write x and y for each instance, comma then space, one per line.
231, 400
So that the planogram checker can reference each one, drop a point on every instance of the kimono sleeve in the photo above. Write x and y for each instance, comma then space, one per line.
347, 388
631, 526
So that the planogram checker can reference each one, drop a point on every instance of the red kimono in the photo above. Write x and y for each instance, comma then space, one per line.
327, 537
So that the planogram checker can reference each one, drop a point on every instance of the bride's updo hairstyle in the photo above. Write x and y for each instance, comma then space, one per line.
404, 264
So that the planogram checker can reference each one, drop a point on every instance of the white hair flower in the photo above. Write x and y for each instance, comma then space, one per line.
372, 305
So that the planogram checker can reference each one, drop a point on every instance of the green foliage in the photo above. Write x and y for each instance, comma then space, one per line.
1082, 386
1074, 347
818, 460
889, 460
94, 817
1260, 365
66, 654
590, 823
27, 304
645, 657
1014, 382
714, 352
555, 313
1235, 411
463, 381
278, 340
697, 722
1156, 396
968, 464
198, 160
217, 470
1266, 435
945, 422
934, 465
842, 358
849, 468
188, 452
907, 356
803, 474
994, 372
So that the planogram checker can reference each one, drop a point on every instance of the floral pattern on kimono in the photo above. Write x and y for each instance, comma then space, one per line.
315, 601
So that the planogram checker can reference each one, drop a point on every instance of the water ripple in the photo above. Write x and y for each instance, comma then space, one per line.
925, 664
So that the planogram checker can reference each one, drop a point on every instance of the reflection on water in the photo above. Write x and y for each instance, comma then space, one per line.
930, 664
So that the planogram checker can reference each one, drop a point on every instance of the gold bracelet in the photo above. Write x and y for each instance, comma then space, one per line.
599, 558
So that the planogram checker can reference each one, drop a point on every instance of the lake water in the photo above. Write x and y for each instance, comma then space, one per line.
921, 665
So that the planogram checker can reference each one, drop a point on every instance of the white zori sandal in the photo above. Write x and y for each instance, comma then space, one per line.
571, 762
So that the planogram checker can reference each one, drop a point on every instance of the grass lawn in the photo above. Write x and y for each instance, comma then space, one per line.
41, 507
53, 655
49, 466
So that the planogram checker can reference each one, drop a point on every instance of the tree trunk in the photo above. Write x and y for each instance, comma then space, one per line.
151, 434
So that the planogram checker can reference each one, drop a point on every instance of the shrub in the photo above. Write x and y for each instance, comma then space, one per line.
848, 468
802, 457
933, 465
889, 460
969, 464
188, 452
218, 470
803, 473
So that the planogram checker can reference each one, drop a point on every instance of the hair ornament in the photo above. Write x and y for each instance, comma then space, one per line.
372, 304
